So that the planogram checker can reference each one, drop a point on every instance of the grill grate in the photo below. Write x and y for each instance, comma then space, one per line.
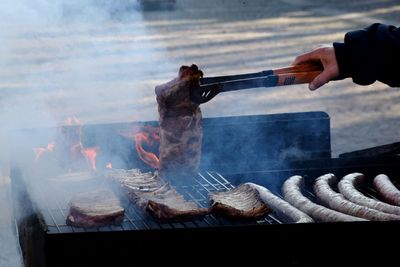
54, 209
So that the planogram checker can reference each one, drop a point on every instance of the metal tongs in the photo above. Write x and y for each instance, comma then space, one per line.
211, 86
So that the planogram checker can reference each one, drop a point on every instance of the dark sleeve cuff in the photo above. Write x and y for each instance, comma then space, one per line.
370, 54
343, 60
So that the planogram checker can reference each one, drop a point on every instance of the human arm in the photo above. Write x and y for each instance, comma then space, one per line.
366, 56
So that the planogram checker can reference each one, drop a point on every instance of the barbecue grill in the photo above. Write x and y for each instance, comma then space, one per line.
286, 144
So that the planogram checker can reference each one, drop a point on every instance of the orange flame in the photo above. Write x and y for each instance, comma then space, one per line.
40, 151
148, 135
148, 157
69, 142
90, 155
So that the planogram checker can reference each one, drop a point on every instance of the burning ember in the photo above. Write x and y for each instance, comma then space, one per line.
68, 148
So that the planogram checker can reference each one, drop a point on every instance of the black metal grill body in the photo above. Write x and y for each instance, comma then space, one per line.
288, 144
301, 243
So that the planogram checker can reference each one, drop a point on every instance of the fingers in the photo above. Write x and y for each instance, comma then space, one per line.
314, 55
310, 56
319, 81
317, 54
325, 55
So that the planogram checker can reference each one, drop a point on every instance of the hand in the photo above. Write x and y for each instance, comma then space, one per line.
326, 55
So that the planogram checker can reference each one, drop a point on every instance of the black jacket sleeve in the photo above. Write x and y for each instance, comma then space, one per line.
370, 54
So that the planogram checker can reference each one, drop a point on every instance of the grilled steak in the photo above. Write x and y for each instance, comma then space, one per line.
180, 125
135, 180
153, 194
242, 202
95, 209
166, 203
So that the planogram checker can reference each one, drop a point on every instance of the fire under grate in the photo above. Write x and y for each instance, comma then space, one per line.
54, 209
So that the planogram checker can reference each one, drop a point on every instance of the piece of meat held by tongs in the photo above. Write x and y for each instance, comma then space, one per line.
299, 74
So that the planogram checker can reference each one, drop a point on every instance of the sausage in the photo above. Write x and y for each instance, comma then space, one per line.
386, 189
292, 194
347, 187
281, 206
334, 200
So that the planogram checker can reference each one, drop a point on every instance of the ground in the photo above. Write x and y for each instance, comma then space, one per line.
103, 68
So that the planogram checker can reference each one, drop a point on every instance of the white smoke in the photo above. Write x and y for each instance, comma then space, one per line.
88, 58
93, 59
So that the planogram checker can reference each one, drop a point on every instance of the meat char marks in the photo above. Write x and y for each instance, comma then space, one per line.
166, 203
180, 124
243, 202
95, 209
153, 194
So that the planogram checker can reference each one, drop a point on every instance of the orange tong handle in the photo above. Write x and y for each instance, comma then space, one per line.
305, 67
297, 78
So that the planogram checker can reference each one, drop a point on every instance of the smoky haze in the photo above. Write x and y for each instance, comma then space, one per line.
89, 59
73, 58
84, 58
92, 60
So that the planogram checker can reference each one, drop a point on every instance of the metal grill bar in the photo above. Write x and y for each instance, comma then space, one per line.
369, 192
206, 219
212, 188
226, 185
